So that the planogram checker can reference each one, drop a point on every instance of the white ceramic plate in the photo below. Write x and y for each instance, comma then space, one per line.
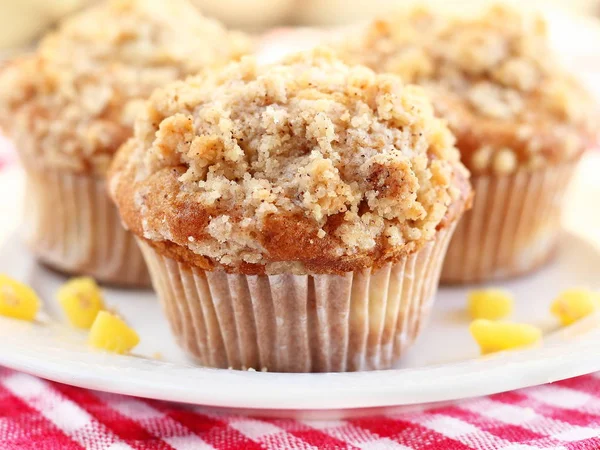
442, 366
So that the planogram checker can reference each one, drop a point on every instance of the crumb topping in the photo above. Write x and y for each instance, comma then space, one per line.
493, 77
72, 103
309, 158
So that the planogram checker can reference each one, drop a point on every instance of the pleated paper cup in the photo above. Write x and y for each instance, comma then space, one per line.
362, 320
72, 226
513, 227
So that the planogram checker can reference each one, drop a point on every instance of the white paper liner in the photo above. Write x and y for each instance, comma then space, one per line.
512, 228
299, 323
71, 225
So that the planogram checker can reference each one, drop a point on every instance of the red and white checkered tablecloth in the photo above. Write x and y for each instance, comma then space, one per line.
42, 415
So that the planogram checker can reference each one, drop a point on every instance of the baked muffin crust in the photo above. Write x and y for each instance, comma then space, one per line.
304, 166
493, 77
72, 104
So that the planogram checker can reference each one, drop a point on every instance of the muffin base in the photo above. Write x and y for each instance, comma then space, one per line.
72, 226
299, 323
513, 227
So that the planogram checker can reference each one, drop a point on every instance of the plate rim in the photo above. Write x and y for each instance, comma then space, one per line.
246, 389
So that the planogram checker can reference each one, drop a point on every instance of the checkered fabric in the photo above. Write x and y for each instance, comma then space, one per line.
42, 415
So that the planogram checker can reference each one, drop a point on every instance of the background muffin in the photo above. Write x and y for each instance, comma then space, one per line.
69, 106
294, 216
520, 121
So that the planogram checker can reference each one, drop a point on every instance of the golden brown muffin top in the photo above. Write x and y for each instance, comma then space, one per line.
304, 166
493, 77
72, 104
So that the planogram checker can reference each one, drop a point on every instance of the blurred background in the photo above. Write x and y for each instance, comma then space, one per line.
22, 21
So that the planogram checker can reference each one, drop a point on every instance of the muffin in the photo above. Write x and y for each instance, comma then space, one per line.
521, 123
69, 106
294, 216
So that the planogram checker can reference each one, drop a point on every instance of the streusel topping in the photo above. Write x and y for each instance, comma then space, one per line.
307, 159
493, 77
72, 103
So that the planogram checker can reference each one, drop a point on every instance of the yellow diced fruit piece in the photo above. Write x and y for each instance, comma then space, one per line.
81, 300
112, 334
17, 300
492, 304
575, 304
498, 336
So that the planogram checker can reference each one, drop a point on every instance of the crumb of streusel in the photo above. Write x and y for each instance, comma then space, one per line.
309, 161
72, 103
490, 76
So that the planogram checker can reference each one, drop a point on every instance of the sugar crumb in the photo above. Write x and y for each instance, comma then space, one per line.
494, 77
254, 144
72, 103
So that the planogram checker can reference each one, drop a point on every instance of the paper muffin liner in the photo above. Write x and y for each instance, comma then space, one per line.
513, 227
72, 226
362, 320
